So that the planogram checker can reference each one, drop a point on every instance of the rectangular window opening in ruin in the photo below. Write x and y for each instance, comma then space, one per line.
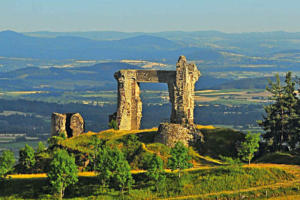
156, 104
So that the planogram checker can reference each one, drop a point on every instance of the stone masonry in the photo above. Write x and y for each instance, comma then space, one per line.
181, 85
69, 124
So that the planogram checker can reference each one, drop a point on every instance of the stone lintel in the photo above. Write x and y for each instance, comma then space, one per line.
147, 76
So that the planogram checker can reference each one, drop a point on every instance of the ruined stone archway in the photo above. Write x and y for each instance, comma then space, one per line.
181, 84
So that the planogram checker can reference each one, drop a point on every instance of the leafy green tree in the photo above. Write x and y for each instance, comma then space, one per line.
7, 161
96, 144
155, 171
27, 159
113, 169
180, 157
279, 122
122, 177
41, 147
62, 172
249, 146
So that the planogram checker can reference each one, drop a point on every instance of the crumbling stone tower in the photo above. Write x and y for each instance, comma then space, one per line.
181, 84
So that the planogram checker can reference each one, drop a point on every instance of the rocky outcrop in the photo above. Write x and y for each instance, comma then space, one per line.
68, 124
181, 92
170, 133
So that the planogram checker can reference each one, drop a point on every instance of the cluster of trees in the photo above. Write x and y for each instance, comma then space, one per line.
282, 120
109, 162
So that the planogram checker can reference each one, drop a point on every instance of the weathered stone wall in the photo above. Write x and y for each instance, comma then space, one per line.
129, 111
181, 91
69, 124
58, 124
76, 124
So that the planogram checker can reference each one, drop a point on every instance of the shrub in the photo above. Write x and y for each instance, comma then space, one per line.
113, 124
7, 161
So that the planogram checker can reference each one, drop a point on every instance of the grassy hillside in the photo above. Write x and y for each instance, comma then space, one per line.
197, 183
208, 179
137, 149
292, 158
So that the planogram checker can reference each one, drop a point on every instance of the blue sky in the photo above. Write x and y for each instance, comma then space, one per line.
150, 15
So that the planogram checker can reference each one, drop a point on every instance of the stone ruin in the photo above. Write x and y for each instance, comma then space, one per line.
181, 84
69, 124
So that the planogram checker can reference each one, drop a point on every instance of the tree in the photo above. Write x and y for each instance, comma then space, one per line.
155, 171
249, 146
122, 177
279, 122
7, 161
96, 144
26, 159
132, 146
113, 169
41, 147
179, 158
62, 172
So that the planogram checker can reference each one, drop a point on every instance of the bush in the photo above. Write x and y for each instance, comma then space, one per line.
113, 124
220, 141
7, 161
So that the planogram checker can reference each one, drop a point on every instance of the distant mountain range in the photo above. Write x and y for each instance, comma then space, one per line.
144, 47
166, 46
256, 43
218, 56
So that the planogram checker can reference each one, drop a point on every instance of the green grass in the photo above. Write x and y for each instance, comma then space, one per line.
194, 182
280, 158
82, 142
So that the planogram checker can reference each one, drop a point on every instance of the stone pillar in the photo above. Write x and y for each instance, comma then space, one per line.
129, 111
76, 124
58, 124
183, 92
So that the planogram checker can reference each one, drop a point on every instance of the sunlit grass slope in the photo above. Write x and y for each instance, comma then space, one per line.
148, 145
280, 158
206, 183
